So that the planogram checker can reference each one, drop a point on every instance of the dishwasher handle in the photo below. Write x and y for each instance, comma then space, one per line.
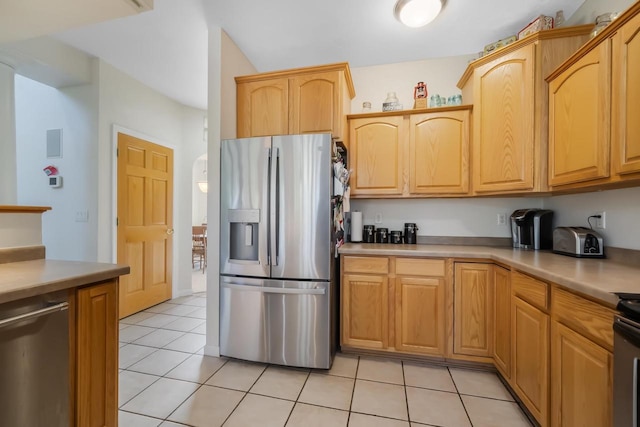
33, 314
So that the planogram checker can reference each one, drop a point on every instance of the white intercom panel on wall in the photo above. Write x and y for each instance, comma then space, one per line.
55, 181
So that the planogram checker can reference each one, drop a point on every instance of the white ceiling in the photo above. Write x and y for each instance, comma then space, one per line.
167, 48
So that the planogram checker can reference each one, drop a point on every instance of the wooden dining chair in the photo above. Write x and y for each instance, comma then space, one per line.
199, 246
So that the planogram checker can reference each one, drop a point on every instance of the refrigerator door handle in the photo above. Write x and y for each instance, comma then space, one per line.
275, 206
269, 290
267, 192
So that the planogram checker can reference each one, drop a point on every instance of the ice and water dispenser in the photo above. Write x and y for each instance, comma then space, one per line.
244, 238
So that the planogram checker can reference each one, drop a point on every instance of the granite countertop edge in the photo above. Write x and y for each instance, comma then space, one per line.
25, 279
600, 279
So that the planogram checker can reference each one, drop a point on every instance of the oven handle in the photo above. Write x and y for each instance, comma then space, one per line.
627, 328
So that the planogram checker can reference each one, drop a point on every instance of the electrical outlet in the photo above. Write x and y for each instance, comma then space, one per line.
378, 218
601, 223
501, 219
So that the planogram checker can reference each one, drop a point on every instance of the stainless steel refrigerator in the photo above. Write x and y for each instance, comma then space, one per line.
277, 293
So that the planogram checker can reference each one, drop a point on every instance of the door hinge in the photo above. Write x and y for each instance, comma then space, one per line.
117, 152
117, 223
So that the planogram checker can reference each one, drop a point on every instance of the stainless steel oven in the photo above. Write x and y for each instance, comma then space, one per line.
34, 362
626, 343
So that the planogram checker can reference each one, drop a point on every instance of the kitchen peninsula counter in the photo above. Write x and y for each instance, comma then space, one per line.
24, 279
597, 278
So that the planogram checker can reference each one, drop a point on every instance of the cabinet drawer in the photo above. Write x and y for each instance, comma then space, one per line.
420, 267
370, 265
530, 290
588, 318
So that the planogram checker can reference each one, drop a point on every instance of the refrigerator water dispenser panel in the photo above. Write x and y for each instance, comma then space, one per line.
244, 237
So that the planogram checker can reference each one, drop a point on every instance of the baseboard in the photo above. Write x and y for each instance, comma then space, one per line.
212, 350
183, 293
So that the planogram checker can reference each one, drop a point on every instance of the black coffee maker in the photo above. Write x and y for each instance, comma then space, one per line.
410, 233
532, 229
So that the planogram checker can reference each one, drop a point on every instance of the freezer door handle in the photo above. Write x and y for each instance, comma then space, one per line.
269, 290
275, 205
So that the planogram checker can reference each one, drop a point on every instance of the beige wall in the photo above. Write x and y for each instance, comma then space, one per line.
234, 63
440, 75
590, 9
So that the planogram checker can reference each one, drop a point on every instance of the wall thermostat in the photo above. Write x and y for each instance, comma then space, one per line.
55, 181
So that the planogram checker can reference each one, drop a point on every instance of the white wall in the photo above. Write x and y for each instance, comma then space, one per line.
475, 217
590, 9
622, 209
74, 110
226, 61
128, 103
440, 75
199, 211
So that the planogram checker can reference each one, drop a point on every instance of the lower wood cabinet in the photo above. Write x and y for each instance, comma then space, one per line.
420, 315
502, 320
96, 355
394, 304
365, 311
554, 347
581, 380
473, 309
531, 358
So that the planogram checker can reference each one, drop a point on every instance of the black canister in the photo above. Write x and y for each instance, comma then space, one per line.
410, 232
382, 235
395, 237
369, 234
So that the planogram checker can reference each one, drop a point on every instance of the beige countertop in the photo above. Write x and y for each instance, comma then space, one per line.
598, 278
28, 278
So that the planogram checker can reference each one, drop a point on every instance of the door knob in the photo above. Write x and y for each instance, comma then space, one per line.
169, 230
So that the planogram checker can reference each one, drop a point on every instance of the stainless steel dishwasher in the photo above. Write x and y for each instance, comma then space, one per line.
34, 362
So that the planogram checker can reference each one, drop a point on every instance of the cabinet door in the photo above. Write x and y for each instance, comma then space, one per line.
579, 120
377, 155
97, 355
502, 320
626, 96
420, 315
504, 123
263, 108
473, 310
439, 153
315, 103
365, 311
582, 376
531, 358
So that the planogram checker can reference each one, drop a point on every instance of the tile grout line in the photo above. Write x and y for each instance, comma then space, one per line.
406, 396
353, 391
460, 397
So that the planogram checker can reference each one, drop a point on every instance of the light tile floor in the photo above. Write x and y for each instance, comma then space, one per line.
165, 380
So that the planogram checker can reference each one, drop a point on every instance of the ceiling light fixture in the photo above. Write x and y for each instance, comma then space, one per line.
417, 13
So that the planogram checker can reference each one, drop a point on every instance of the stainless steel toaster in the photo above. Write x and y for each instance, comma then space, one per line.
579, 242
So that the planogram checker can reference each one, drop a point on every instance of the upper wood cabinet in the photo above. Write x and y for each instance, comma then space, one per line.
439, 153
377, 151
626, 98
579, 119
510, 110
263, 108
417, 153
473, 310
504, 114
303, 100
